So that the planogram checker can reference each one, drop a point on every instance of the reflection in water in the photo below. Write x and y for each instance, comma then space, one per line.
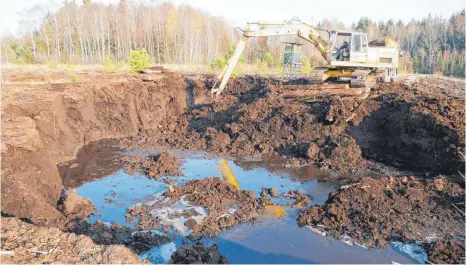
94, 160
272, 240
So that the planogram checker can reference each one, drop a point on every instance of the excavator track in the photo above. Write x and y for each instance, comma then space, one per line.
358, 87
318, 76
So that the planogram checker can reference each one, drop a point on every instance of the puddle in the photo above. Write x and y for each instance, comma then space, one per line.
271, 240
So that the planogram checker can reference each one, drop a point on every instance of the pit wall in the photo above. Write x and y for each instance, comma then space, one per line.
44, 125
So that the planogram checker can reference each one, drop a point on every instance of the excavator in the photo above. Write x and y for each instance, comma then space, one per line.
361, 65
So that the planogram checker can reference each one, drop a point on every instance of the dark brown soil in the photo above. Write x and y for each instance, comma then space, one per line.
374, 211
218, 197
226, 206
75, 206
32, 244
45, 125
154, 166
413, 130
198, 254
446, 252
116, 234
397, 125
416, 128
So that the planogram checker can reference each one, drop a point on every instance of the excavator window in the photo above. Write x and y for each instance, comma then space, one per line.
356, 43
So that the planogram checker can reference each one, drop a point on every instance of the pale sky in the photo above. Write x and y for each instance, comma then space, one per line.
238, 12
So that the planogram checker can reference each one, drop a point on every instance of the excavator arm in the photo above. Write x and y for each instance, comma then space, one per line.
267, 29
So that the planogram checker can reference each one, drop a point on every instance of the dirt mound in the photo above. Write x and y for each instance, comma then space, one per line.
32, 244
251, 119
198, 254
374, 211
413, 130
163, 164
210, 206
116, 234
446, 252
226, 206
397, 125
75, 205
46, 124
441, 85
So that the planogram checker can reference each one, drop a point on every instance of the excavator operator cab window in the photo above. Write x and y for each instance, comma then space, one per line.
337, 41
359, 42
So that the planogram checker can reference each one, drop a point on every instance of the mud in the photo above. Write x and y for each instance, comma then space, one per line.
414, 130
116, 234
94, 160
163, 164
373, 211
45, 125
226, 206
198, 254
400, 126
446, 252
75, 206
47, 130
31, 244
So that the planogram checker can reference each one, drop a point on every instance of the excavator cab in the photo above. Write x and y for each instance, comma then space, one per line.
336, 41
357, 50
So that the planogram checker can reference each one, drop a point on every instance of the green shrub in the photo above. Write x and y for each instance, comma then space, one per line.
268, 59
261, 65
306, 66
48, 78
138, 60
69, 68
111, 66
74, 78
52, 64
219, 63
241, 60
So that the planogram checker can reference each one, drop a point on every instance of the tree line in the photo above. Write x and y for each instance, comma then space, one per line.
91, 32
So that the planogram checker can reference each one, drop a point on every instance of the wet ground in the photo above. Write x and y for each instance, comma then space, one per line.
271, 240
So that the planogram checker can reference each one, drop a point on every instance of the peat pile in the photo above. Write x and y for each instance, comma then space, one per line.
413, 129
226, 206
116, 234
397, 125
198, 254
31, 244
210, 206
154, 166
252, 119
374, 211
446, 252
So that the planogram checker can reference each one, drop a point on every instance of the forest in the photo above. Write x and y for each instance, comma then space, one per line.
88, 32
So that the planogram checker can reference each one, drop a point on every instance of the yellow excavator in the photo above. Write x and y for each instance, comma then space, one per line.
361, 63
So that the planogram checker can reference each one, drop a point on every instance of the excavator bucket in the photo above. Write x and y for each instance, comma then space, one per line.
227, 173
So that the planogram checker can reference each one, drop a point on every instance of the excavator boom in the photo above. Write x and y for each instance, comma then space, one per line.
267, 29
359, 60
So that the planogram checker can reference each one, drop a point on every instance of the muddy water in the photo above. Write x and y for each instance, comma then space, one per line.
272, 240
